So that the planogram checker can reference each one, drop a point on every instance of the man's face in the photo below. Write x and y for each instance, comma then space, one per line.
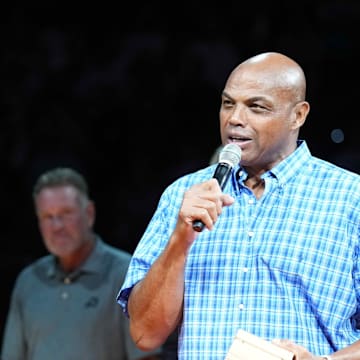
261, 117
65, 219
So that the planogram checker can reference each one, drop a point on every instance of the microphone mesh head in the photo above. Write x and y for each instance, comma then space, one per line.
230, 154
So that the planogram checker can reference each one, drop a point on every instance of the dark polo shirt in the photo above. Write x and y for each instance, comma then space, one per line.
72, 316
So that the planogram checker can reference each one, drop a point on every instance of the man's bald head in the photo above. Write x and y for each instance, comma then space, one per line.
276, 71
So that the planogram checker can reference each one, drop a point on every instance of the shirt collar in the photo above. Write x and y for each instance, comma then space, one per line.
284, 170
90, 265
293, 164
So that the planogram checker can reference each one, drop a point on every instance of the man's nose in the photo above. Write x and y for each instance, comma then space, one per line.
238, 116
57, 221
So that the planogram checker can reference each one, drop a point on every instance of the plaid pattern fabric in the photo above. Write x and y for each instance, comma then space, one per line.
283, 266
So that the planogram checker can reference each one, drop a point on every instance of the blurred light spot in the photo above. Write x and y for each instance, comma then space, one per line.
337, 136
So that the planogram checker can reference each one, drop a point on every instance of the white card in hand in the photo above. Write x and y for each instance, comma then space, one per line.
247, 346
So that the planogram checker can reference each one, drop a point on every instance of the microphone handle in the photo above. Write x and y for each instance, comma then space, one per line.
222, 173
198, 225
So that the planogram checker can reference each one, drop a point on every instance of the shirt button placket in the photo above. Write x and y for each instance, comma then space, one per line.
65, 294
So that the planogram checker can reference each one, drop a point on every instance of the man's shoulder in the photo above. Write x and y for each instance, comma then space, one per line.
326, 169
117, 253
30, 271
333, 180
40, 262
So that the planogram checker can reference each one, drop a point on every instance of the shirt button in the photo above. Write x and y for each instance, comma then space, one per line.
245, 269
251, 233
67, 280
251, 201
241, 306
64, 295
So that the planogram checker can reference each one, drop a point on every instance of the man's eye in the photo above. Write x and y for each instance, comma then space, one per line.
227, 103
257, 106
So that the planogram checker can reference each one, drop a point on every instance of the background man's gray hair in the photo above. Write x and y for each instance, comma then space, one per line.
61, 176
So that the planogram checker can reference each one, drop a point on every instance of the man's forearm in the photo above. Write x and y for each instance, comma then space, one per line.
155, 303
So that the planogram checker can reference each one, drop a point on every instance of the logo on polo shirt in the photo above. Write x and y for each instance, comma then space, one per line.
92, 302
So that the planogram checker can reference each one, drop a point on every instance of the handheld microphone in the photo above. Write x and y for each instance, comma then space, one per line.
229, 157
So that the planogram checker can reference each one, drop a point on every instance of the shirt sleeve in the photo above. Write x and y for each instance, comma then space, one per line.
152, 243
14, 346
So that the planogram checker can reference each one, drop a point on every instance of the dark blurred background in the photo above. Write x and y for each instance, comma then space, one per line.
129, 95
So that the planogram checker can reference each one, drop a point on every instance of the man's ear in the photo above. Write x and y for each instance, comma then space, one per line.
91, 213
300, 112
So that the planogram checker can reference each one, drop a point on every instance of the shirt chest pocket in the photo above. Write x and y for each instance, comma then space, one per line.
285, 269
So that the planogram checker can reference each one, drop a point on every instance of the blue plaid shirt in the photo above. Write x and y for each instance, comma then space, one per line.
284, 266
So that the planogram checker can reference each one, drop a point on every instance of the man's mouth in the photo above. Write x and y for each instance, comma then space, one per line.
238, 138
